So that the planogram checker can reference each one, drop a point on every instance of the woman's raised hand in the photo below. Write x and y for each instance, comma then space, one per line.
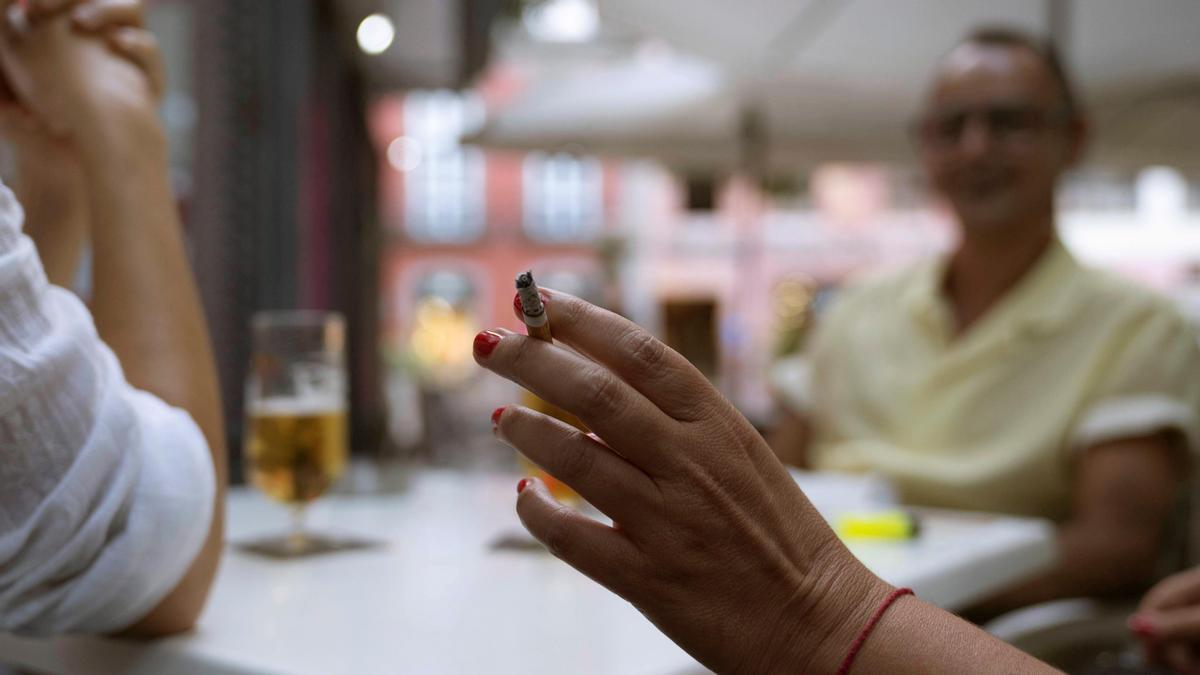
711, 538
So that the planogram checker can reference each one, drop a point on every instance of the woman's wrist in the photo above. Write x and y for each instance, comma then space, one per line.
843, 596
111, 137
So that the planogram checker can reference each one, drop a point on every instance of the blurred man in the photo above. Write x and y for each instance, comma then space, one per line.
1006, 377
111, 459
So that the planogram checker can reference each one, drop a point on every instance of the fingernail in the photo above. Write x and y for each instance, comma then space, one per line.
496, 417
485, 343
522, 485
1143, 626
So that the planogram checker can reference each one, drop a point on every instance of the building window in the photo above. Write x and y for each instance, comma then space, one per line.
788, 191
444, 192
580, 279
700, 192
564, 197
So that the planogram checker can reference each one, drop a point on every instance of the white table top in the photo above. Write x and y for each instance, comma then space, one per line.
437, 599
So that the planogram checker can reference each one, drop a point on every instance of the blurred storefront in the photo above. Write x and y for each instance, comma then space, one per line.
460, 222
275, 169
715, 185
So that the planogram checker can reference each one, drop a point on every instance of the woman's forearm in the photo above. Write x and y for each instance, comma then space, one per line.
56, 216
910, 636
147, 308
916, 637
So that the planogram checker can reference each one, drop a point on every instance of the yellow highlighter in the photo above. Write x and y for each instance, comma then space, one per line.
892, 524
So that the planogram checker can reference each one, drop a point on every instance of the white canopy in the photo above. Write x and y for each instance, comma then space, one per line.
823, 80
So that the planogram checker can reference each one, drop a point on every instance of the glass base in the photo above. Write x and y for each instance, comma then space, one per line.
287, 546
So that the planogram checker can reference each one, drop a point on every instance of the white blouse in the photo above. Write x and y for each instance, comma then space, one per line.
106, 492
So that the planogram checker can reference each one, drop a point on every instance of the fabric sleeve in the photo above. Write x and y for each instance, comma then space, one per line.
1151, 383
106, 493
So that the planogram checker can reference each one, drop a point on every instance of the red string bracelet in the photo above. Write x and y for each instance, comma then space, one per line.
866, 631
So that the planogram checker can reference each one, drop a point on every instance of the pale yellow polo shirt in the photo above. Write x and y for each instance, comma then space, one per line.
991, 420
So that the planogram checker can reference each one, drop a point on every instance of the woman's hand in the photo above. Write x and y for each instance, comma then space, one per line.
49, 178
121, 24
66, 83
712, 540
1168, 622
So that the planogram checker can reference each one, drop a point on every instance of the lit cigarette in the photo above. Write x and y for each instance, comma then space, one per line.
533, 312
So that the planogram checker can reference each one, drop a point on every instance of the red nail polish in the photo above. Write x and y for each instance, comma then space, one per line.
1143, 626
485, 343
496, 417
522, 485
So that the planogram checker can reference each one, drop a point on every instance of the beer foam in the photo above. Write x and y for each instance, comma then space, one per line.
306, 406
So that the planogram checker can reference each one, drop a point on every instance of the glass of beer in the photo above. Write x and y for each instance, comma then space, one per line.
295, 432
559, 489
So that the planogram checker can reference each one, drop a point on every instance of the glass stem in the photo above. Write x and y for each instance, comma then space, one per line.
296, 538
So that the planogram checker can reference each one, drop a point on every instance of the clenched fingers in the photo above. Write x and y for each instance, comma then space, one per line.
1177, 625
1176, 590
141, 47
97, 15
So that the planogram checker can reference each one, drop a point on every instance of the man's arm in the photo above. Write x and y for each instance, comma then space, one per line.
1125, 493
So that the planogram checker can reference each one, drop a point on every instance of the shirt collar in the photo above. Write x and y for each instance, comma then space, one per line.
1039, 304
923, 298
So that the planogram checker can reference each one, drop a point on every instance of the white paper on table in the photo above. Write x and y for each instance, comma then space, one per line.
836, 493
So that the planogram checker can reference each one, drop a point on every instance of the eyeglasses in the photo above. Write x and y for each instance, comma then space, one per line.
1011, 125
